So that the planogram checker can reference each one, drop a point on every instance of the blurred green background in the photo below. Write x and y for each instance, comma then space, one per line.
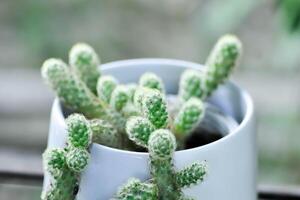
34, 30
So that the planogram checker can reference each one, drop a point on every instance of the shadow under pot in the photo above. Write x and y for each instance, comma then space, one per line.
227, 135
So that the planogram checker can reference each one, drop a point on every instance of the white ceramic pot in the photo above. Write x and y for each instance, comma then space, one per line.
231, 160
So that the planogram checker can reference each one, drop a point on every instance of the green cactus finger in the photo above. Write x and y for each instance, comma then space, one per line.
188, 117
77, 159
84, 60
191, 84
134, 189
161, 144
119, 98
105, 87
191, 175
221, 61
105, 133
151, 80
71, 91
138, 96
54, 161
131, 87
161, 147
139, 129
154, 107
63, 187
79, 131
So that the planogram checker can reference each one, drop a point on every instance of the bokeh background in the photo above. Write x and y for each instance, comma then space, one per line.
34, 30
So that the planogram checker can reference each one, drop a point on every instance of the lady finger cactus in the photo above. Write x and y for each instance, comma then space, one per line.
188, 117
151, 80
139, 129
84, 60
131, 87
70, 90
77, 159
221, 61
191, 84
191, 175
154, 108
134, 189
54, 161
105, 87
105, 133
119, 98
161, 146
64, 181
79, 131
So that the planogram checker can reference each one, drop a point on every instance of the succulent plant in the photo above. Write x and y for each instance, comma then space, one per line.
131, 116
84, 60
161, 145
65, 164
151, 80
221, 61
137, 190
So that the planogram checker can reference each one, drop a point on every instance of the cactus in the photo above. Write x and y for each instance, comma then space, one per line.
105, 133
65, 165
79, 131
139, 130
191, 175
188, 117
191, 84
105, 87
77, 159
134, 189
151, 80
109, 111
71, 91
119, 98
131, 87
84, 60
64, 181
154, 108
221, 62
161, 145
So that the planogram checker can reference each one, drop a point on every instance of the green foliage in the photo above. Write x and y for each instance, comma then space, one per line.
105, 133
71, 91
54, 161
191, 175
154, 108
191, 84
77, 159
221, 61
151, 80
134, 189
84, 60
105, 87
79, 131
289, 11
188, 117
119, 98
139, 130
64, 181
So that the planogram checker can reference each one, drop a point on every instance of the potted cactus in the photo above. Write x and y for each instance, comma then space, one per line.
121, 131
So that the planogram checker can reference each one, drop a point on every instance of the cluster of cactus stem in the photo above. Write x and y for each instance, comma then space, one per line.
132, 117
64, 165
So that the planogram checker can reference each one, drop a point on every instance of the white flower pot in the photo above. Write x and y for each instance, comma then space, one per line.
231, 160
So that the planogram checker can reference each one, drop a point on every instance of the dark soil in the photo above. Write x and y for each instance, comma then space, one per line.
201, 138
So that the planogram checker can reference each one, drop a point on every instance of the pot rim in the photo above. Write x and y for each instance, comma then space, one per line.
177, 63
